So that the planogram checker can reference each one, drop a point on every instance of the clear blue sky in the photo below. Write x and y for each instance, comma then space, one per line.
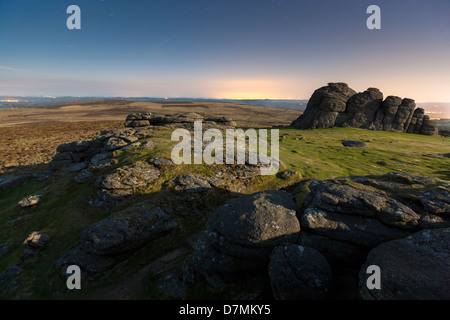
224, 48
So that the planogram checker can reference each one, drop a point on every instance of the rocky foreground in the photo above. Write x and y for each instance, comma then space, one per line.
397, 221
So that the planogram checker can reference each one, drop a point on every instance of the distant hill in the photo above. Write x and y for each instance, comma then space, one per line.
30, 102
117, 110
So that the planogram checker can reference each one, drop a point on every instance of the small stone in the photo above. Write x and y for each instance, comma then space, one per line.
149, 145
288, 174
37, 240
354, 144
29, 201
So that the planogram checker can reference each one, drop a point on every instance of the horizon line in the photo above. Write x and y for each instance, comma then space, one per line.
167, 98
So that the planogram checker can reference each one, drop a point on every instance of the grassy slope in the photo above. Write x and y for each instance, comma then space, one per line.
64, 212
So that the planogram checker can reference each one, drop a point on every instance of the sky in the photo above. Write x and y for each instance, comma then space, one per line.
236, 49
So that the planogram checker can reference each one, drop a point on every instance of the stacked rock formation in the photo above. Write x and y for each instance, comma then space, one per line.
337, 105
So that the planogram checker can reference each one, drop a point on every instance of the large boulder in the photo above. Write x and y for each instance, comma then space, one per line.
261, 220
414, 268
299, 273
324, 106
241, 234
363, 107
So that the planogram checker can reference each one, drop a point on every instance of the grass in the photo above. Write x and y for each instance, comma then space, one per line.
64, 211
321, 154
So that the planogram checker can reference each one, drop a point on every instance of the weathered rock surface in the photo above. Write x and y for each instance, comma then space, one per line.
106, 242
362, 107
325, 106
160, 161
414, 268
337, 105
126, 181
355, 214
237, 171
121, 234
241, 234
197, 183
95, 152
299, 273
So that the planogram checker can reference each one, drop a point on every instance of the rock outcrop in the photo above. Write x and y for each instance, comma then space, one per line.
414, 268
78, 155
337, 105
344, 218
176, 120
